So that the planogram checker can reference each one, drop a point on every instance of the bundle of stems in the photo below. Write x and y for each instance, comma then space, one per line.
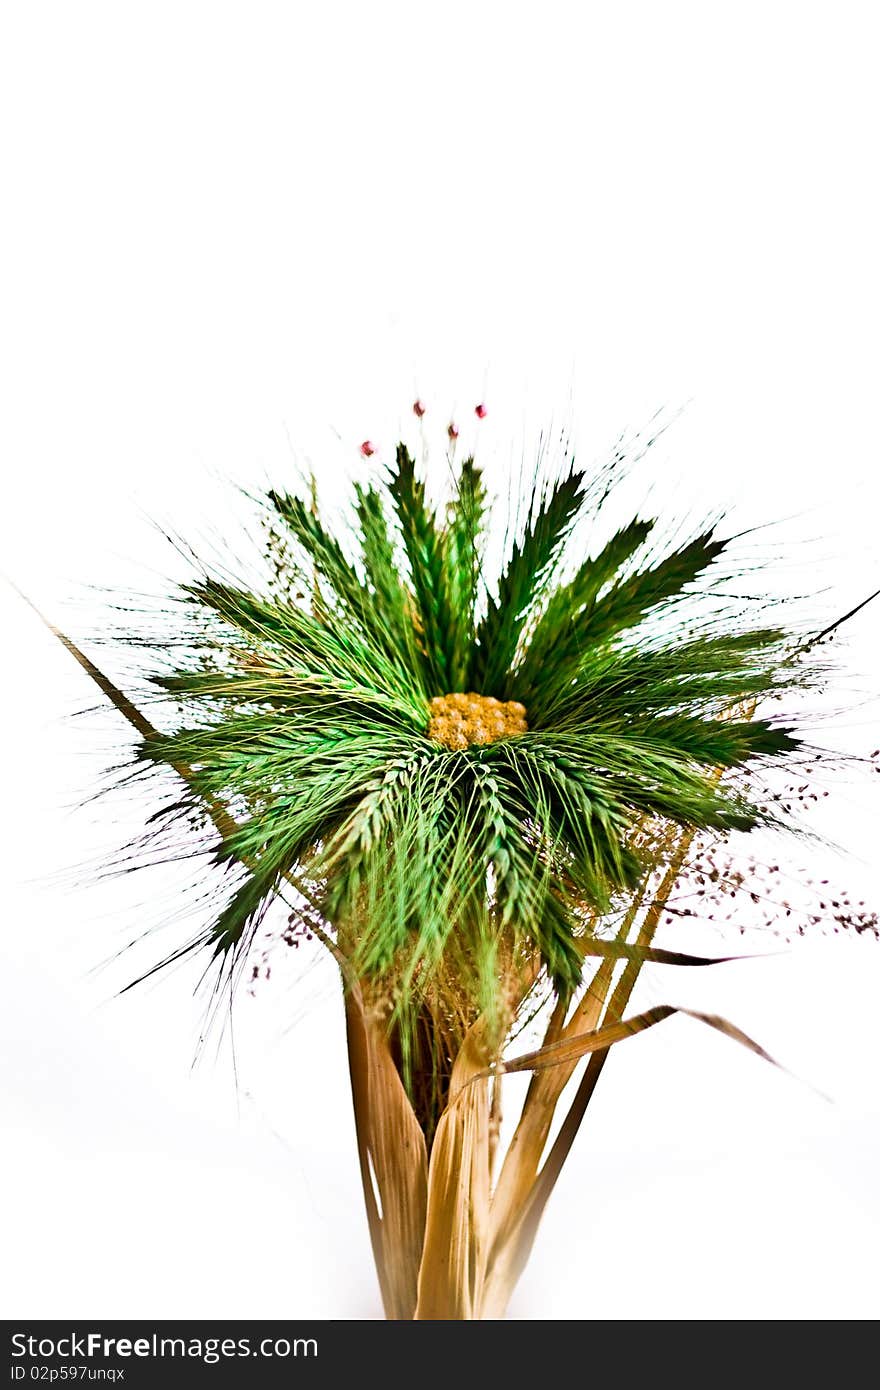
478, 793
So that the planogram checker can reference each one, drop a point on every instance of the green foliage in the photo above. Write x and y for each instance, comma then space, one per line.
528, 569
596, 606
306, 711
390, 601
462, 545
423, 543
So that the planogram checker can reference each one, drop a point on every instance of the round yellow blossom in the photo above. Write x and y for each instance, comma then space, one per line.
459, 720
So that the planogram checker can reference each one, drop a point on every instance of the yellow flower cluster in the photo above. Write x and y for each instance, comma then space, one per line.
460, 720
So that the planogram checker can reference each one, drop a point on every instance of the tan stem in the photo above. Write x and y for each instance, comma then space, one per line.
523, 1157
456, 1230
515, 1225
392, 1155
495, 1116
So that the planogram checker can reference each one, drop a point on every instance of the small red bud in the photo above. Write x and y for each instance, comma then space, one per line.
480, 411
368, 449
452, 431
418, 408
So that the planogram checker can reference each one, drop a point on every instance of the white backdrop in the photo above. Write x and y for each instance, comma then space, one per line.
241, 238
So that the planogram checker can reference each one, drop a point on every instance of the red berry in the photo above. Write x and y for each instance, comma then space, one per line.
368, 448
480, 411
418, 408
452, 431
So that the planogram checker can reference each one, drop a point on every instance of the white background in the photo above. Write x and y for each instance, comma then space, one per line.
238, 239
